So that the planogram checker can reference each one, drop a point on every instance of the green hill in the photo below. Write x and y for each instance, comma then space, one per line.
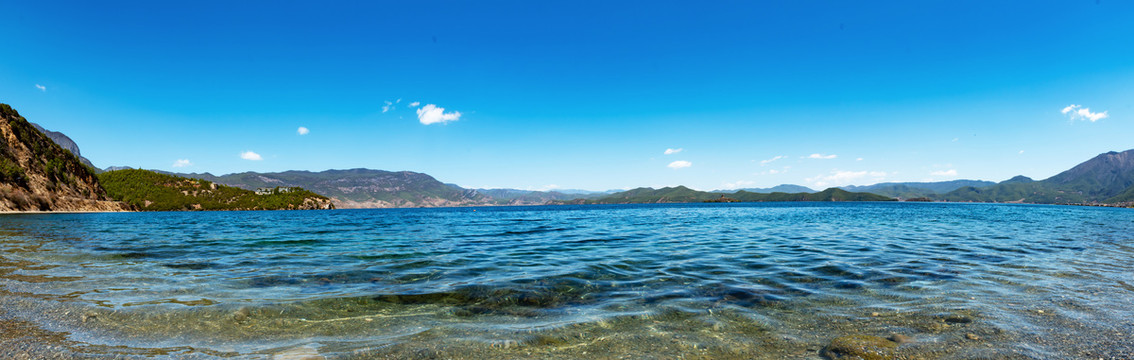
360, 188
150, 191
832, 194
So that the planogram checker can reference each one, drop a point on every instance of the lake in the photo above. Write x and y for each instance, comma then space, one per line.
748, 280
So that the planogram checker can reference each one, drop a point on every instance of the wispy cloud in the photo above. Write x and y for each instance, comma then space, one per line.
769, 161
1078, 112
679, 164
249, 155
840, 178
737, 185
775, 171
390, 105
673, 151
431, 114
302, 131
821, 156
414, 104
41, 87
950, 172
182, 163
859, 159
1021, 152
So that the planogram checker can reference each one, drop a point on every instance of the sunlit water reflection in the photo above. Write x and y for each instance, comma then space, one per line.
777, 280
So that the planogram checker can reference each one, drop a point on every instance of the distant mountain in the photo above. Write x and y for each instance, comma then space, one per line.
1105, 178
66, 143
1102, 177
1016, 179
36, 174
586, 192
681, 194
678, 194
784, 188
360, 188
529, 197
907, 190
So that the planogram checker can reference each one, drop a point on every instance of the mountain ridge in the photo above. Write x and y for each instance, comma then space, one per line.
1105, 178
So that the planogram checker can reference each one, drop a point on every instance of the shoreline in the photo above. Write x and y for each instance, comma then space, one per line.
26, 212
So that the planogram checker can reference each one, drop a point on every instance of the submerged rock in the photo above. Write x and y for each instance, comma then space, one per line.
241, 314
89, 316
900, 339
864, 347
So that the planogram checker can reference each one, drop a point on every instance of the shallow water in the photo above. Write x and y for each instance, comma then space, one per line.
772, 280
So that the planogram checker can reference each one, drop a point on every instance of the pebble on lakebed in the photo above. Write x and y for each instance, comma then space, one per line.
865, 347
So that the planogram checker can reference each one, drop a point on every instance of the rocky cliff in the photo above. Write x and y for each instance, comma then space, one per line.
66, 143
36, 174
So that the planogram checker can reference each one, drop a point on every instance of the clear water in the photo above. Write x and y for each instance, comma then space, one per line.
773, 280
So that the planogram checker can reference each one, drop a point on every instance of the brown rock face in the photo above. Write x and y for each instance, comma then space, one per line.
38, 175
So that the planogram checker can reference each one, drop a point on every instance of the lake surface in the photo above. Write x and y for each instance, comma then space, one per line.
770, 280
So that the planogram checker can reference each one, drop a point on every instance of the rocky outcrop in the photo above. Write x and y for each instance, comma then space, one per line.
66, 143
36, 174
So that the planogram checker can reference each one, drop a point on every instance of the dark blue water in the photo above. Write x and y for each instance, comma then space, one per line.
696, 280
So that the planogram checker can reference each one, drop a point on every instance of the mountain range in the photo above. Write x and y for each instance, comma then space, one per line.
1106, 178
681, 194
908, 190
30, 169
783, 188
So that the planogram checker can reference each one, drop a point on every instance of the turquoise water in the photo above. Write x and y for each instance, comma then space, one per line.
773, 280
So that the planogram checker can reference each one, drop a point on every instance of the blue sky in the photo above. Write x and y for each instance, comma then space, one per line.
583, 94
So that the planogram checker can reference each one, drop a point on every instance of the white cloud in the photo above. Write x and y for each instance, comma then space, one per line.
821, 156
41, 87
248, 155
389, 105
431, 114
414, 104
769, 161
859, 159
1021, 152
737, 185
679, 164
840, 178
950, 172
773, 171
302, 131
182, 163
1078, 112
673, 151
